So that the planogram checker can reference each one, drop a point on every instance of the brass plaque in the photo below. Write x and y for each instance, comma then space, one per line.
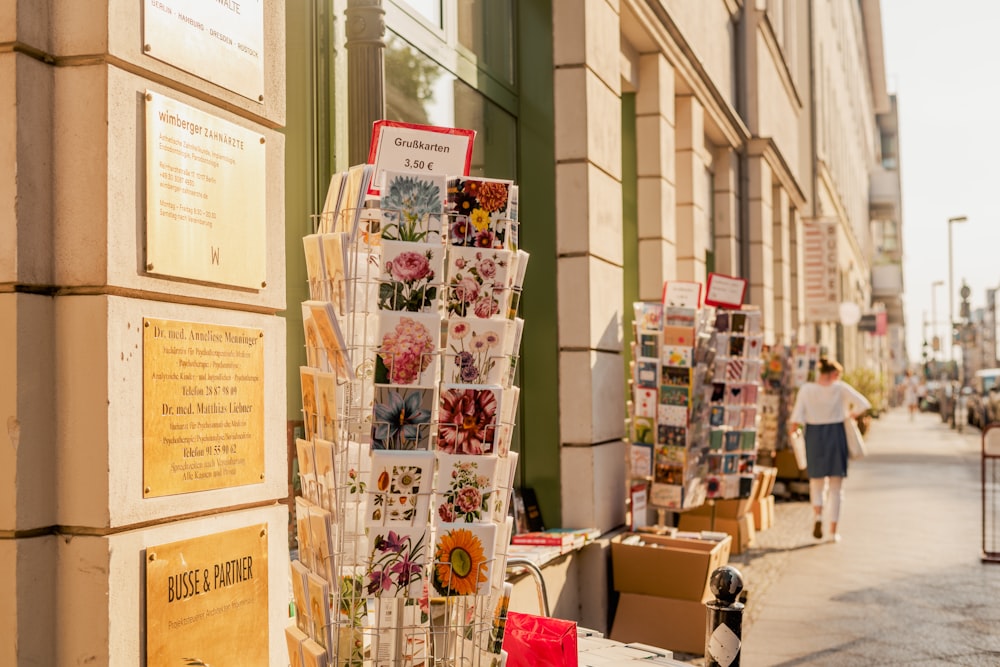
202, 407
206, 600
205, 196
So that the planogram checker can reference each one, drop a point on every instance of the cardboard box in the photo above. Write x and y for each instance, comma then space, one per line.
788, 467
667, 567
676, 625
727, 508
766, 477
763, 513
741, 530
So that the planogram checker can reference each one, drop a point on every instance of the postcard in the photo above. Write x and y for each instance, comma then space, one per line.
326, 405
313, 248
479, 211
643, 430
294, 637
412, 206
673, 455
468, 418
305, 454
331, 337
319, 608
678, 396
679, 356
399, 488
670, 496
333, 202
397, 563
672, 415
408, 349
463, 559
401, 417
307, 381
508, 410
675, 377
519, 265
648, 315
679, 336
671, 436
679, 317
465, 488
646, 401
475, 351
411, 276
355, 190
641, 457
325, 475
648, 344
477, 282
646, 373
321, 538
302, 532
299, 574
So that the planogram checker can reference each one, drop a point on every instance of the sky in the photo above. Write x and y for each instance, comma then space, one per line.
941, 61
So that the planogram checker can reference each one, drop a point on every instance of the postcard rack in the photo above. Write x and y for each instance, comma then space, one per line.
409, 402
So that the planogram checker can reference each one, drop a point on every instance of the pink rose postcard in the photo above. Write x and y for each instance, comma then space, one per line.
477, 282
464, 490
410, 277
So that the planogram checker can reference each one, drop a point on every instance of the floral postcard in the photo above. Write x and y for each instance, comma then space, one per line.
411, 276
463, 559
336, 284
641, 457
401, 417
412, 206
674, 355
399, 488
408, 348
477, 282
325, 474
305, 454
313, 249
648, 315
671, 415
643, 430
355, 188
397, 563
307, 383
508, 410
468, 419
678, 396
475, 351
465, 487
646, 401
319, 608
479, 212
321, 538
326, 405
646, 373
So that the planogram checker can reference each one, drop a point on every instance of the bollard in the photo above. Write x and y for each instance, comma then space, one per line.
724, 630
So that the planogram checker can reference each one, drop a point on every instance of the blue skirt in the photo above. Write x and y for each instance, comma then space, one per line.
826, 450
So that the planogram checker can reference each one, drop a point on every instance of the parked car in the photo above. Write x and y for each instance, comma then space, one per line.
984, 398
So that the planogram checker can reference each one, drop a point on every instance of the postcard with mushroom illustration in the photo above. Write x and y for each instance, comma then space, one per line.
408, 348
468, 419
411, 276
465, 488
401, 417
399, 488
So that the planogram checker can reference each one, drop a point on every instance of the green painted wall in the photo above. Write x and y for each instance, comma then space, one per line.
630, 227
539, 410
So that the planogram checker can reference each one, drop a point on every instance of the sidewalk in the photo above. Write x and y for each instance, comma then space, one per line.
905, 584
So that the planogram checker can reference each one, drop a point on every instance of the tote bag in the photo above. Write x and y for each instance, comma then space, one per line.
855, 443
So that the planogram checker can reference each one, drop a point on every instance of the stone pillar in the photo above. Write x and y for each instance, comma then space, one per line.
797, 275
365, 27
727, 212
692, 190
762, 243
782, 266
590, 274
656, 175
76, 286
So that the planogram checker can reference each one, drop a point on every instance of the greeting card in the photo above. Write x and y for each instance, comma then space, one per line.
643, 430
326, 405
397, 563
731, 442
672, 415
321, 539
648, 344
678, 396
336, 286
674, 355
479, 212
679, 336
333, 202
648, 315
299, 575
477, 282
302, 532
313, 249
325, 475
679, 317
399, 488
412, 206
401, 417
468, 419
410, 277
294, 637
754, 346
463, 559
465, 487
646, 401
670, 496
475, 351
734, 416
736, 345
307, 382
646, 373
408, 349
671, 436
675, 377
331, 338
716, 415
641, 457
748, 417
668, 473
305, 454
314, 655
734, 370
713, 486
319, 608
730, 464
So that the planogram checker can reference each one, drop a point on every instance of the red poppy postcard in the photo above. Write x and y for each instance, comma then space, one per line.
465, 489
411, 276
468, 419
397, 563
399, 488
463, 559
401, 417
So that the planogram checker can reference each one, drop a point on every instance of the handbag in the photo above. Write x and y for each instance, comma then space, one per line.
855, 443
539, 641
798, 441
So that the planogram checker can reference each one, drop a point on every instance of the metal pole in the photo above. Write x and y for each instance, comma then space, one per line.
951, 300
724, 632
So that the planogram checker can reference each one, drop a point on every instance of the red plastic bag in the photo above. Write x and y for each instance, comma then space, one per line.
539, 641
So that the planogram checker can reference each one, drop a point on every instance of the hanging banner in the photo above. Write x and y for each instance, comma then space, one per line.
819, 255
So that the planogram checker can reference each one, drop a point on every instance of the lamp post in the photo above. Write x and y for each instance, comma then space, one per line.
934, 321
951, 289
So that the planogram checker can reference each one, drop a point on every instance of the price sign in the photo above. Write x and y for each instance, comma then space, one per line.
409, 147
725, 291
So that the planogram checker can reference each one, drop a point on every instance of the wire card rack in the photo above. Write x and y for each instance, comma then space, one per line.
411, 338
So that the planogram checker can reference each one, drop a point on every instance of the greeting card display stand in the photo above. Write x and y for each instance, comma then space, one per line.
411, 336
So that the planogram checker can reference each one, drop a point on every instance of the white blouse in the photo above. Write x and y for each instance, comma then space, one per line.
829, 404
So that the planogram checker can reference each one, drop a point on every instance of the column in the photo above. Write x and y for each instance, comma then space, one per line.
692, 190
797, 276
762, 242
365, 32
782, 266
139, 292
589, 247
656, 175
727, 212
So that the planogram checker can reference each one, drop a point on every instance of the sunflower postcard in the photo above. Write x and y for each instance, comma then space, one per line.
474, 351
401, 417
465, 487
412, 206
399, 488
397, 562
408, 347
468, 419
462, 559
477, 282
410, 276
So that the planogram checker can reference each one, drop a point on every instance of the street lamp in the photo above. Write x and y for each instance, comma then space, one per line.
951, 288
934, 321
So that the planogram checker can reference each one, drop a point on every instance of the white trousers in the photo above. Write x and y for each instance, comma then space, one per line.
833, 488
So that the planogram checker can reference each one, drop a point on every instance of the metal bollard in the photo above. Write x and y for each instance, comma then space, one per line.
724, 631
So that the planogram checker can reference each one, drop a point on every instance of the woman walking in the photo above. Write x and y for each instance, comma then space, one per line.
822, 406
